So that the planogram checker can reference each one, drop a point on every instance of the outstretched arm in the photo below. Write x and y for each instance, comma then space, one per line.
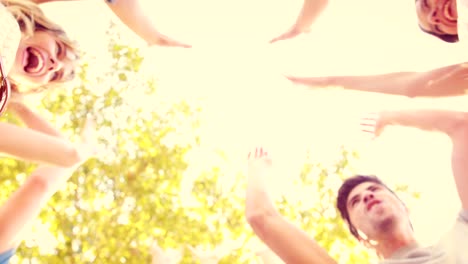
290, 243
26, 203
446, 81
33, 120
132, 14
31, 145
454, 124
310, 11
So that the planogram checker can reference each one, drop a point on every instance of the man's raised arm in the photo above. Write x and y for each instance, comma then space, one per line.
290, 243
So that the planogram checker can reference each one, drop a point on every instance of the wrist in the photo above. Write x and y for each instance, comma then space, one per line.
388, 118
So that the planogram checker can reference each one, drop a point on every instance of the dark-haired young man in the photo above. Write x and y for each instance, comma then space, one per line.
374, 214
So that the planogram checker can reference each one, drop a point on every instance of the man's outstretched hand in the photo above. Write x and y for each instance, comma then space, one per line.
258, 161
372, 124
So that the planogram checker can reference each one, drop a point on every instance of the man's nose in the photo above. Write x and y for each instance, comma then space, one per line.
368, 197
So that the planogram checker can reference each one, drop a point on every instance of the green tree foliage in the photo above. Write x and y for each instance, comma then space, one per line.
115, 206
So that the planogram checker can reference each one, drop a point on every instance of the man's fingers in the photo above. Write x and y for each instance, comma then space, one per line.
257, 153
281, 37
368, 124
372, 131
173, 43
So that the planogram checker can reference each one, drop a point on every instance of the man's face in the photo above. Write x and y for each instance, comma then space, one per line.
438, 16
374, 210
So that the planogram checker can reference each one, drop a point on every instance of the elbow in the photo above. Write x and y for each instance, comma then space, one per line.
39, 184
415, 88
258, 220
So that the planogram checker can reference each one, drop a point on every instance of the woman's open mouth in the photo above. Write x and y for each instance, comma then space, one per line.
34, 61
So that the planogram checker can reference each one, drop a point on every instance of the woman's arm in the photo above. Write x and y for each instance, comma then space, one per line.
33, 120
26, 203
132, 14
31, 145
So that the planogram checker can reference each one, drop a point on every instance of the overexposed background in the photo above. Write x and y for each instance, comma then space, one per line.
238, 77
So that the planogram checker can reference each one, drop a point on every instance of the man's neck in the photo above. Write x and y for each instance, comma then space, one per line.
398, 239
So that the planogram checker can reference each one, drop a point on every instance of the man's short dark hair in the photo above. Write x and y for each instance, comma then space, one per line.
345, 189
445, 37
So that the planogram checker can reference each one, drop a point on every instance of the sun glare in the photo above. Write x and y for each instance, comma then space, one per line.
238, 78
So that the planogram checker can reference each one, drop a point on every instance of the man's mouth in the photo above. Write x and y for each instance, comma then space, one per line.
34, 61
371, 204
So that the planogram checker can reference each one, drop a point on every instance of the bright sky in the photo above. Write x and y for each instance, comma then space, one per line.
250, 102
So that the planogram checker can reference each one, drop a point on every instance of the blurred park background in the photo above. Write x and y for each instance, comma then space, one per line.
175, 126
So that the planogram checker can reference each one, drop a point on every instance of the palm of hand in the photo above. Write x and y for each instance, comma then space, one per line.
259, 161
371, 124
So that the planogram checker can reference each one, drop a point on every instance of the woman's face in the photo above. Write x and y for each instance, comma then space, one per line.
42, 59
438, 16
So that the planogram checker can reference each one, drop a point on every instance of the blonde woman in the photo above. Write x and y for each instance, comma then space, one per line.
19, 211
41, 143
46, 57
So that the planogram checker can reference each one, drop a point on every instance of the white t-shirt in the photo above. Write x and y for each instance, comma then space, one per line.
452, 248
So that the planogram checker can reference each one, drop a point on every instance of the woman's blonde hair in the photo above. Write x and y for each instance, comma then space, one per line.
31, 18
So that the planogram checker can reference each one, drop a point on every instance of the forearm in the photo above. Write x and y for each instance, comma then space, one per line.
393, 83
31, 145
26, 203
430, 120
34, 121
132, 14
258, 200
446, 81
452, 123
310, 11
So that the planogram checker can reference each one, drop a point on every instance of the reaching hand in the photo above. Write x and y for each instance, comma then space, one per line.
311, 81
293, 32
164, 40
372, 125
258, 161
